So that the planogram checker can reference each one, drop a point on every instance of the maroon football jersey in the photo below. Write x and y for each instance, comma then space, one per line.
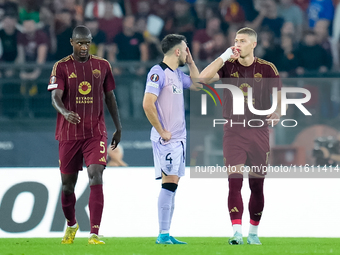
261, 76
83, 85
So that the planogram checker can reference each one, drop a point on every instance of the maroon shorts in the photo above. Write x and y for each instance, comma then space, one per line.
246, 146
72, 153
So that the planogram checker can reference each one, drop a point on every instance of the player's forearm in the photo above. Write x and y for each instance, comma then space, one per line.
211, 70
335, 157
194, 75
111, 104
58, 104
151, 113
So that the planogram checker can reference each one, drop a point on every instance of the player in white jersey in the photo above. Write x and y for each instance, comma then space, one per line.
164, 107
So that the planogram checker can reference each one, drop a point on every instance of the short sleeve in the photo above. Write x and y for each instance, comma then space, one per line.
186, 80
155, 80
109, 82
57, 78
221, 72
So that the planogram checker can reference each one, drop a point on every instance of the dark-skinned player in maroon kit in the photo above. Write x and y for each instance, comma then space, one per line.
244, 144
79, 82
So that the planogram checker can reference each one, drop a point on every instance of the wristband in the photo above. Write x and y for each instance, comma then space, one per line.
226, 55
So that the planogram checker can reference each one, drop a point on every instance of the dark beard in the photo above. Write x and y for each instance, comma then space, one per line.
180, 63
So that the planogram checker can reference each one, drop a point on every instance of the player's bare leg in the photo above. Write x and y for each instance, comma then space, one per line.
235, 203
96, 201
166, 206
256, 204
68, 201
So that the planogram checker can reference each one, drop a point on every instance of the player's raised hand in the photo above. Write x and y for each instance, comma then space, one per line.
116, 139
273, 119
189, 59
231, 52
72, 117
236, 53
166, 135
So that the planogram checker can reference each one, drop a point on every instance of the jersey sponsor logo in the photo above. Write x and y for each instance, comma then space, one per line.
96, 73
84, 100
176, 90
244, 89
72, 75
154, 77
52, 86
257, 77
102, 160
152, 84
53, 80
234, 75
84, 88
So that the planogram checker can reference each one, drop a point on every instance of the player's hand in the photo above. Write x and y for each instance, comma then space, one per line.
166, 135
236, 53
273, 118
189, 59
72, 117
116, 139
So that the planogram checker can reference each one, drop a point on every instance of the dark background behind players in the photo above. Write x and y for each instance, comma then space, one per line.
31, 108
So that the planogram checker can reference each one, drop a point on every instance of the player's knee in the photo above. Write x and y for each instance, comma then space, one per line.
235, 182
256, 185
68, 189
95, 171
170, 186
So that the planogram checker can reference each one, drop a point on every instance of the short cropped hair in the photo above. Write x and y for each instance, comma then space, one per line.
171, 41
248, 31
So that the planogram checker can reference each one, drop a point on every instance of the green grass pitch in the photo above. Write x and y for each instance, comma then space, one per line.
146, 246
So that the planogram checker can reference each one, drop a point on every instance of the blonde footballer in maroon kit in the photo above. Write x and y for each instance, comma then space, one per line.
243, 144
80, 83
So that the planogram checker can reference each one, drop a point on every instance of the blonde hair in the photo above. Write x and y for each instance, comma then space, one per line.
248, 31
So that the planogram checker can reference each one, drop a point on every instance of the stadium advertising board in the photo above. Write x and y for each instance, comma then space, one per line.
30, 205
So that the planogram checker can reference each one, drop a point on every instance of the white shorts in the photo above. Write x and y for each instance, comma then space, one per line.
169, 158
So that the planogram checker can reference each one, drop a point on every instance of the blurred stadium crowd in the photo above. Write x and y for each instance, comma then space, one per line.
301, 37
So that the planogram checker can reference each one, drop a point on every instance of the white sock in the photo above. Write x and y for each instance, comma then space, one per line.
74, 226
164, 231
237, 228
253, 229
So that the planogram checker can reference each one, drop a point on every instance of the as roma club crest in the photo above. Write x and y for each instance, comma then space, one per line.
96, 73
257, 77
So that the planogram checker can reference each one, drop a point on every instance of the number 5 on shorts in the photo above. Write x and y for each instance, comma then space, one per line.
102, 144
